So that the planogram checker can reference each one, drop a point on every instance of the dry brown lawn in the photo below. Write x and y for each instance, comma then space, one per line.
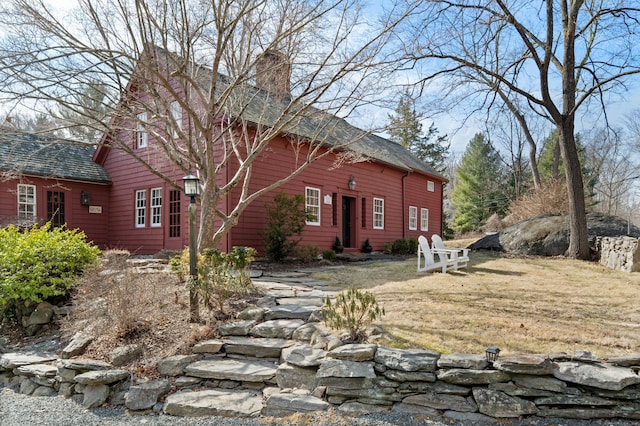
521, 305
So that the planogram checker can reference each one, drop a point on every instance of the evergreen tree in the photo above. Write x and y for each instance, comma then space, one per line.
551, 165
480, 188
405, 128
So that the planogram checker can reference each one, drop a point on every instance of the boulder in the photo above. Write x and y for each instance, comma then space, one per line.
407, 359
597, 376
548, 235
174, 365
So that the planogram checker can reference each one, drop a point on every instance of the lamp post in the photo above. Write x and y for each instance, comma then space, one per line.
192, 189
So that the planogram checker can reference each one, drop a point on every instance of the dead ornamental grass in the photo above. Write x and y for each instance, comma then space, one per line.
522, 305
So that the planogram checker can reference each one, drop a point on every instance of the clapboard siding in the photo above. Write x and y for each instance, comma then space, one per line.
77, 216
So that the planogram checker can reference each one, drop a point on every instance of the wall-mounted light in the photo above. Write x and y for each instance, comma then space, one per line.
85, 198
492, 354
352, 183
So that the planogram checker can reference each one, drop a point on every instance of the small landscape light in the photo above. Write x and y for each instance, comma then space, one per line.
492, 354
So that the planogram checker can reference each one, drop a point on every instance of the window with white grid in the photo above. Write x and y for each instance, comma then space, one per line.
312, 205
424, 219
142, 137
141, 208
156, 206
378, 213
413, 218
27, 202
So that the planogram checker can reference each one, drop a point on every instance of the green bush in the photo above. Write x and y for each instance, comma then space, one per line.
307, 253
286, 218
220, 275
41, 262
329, 255
352, 310
402, 246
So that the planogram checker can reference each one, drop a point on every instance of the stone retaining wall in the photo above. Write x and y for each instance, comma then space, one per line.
620, 253
232, 377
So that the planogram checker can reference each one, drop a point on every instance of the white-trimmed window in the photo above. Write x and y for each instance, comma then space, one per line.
176, 114
431, 186
312, 205
378, 213
413, 218
156, 206
26, 202
141, 208
142, 137
424, 219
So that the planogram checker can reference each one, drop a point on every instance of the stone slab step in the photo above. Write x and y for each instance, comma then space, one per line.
290, 311
232, 369
256, 347
214, 402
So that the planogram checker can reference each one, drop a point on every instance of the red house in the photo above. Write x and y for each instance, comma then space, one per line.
44, 179
389, 194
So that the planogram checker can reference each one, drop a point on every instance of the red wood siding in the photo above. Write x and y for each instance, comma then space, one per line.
77, 215
128, 175
373, 180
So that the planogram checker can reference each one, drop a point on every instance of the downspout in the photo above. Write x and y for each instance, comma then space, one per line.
442, 184
404, 204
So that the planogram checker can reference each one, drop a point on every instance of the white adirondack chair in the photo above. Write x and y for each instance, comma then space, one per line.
456, 257
426, 259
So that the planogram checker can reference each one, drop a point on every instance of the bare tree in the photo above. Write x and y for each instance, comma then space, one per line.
613, 169
555, 58
323, 58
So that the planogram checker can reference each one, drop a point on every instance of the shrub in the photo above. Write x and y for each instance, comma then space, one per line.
220, 275
352, 310
551, 198
286, 218
402, 246
307, 253
40, 262
329, 255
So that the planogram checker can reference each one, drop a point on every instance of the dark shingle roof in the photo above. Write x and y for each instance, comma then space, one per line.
63, 159
261, 107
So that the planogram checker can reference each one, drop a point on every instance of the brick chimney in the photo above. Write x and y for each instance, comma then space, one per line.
273, 73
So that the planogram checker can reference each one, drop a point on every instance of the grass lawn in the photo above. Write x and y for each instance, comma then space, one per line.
521, 305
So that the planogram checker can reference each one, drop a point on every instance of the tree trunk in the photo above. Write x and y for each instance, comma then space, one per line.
578, 233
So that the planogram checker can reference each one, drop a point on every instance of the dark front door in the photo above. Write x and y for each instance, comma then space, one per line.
55, 208
348, 219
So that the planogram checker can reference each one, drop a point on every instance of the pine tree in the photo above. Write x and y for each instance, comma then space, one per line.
405, 128
479, 190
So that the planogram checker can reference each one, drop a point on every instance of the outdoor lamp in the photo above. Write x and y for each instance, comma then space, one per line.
492, 354
352, 183
192, 189
191, 186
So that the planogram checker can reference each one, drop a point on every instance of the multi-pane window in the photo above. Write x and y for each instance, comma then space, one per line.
174, 213
378, 213
27, 202
176, 114
424, 219
55, 207
156, 206
142, 137
312, 205
413, 218
141, 208
431, 186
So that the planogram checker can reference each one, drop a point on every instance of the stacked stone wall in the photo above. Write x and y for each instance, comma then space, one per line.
619, 253
355, 378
